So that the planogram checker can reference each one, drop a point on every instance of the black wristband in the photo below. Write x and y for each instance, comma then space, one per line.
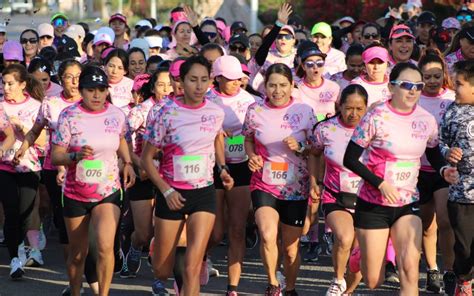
220, 168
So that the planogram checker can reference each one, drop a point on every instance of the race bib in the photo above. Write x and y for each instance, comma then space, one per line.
350, 182
189, 167
90, 171
234, 148
401, 173
278, 173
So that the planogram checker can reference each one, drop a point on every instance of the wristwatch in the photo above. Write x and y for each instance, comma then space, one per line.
220, 168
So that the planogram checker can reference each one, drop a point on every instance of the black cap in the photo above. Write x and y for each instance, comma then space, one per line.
464, 10
49, 53
426, 17
238, 25
313, 51
305, 45
240, 38
467, 33
93, 79
67, 44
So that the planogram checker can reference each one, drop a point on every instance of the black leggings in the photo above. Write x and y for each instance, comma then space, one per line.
18, 199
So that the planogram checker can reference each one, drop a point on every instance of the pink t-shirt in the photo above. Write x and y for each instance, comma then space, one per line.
340, 80
4, 122
235, 108
452, 59
54, 90
321, 98
436, 105
186, 136
332, 136
48, 115
93, 179
378, 91
136, 122
121, 92
335, 61
25, 113
285, 174
394, 144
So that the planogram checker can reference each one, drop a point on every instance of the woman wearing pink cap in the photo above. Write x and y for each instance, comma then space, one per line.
436, 97
401, 44
234, 101
276, 131
316, 91
375, 80
118, 23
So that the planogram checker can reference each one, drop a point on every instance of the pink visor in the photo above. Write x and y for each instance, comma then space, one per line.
174, 68
376, 52
139, 81
400, 31
179, 16
118, 16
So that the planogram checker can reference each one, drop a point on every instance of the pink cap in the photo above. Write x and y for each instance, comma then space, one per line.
118, 16
220, 26
376, 52
451, 23
400, 31
179, 16
106, 52
139, 81
289, 29
12, 51
229, 67
245, 68
174, 67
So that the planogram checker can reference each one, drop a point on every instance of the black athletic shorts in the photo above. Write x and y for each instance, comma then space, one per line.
429, 183
141, 190
240, 172
197, 200
73, 208
373, 216
291, 212
332, 207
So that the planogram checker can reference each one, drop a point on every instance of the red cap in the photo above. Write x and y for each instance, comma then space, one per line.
118, 16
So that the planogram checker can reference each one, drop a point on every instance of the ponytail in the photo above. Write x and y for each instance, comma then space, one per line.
33, 87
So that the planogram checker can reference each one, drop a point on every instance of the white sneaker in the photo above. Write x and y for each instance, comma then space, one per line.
337, 287
16, 269
281, 279
35, 259
22, 252
213, 272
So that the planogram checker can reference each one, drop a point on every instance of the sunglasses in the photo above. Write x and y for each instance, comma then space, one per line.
59, 22
418, 86
234, 47
466, 18
30, 40
312, 64
371, 36
284, 36
46, 37
210, 35
398, 31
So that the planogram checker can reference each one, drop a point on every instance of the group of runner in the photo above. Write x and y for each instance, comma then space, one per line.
170, 138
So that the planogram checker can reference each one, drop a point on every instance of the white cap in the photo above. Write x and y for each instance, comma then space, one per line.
104, 34
142, 44
415, 3
154, 41
75, 31
45, 29
144, 23
344, 19
3, 28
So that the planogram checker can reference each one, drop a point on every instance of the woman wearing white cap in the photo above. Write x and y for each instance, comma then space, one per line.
234, 101
322, 36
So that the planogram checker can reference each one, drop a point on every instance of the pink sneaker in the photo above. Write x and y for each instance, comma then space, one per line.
354, 260
204, 275
463, 288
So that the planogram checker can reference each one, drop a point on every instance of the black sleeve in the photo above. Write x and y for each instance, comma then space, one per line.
352, 162
202, 39
262, 51
385, 31
435, 158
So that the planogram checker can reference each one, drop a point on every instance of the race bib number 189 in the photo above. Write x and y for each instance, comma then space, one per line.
401, 173
278, 173
90, 171
189, 167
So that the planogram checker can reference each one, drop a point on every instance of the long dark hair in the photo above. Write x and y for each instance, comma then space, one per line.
435, 56
33, 87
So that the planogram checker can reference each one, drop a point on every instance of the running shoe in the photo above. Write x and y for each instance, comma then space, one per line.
304, 240
213, 272
391, 274
204, 275
119, 261
273, 291
158, 289
463, 288
281, 280
449, 281
22, 252
133, 261
291, 293
67, 291
124, 272
16, 269
329, 242
314, 250
433, 283
336, 288
35, 259
231, 293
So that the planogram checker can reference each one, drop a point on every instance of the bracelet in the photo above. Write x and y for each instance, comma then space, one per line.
220, 168
168, 192
279, 24
441, 171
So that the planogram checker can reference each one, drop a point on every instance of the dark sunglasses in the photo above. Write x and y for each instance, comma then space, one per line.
30, 40
284, 36
371, 36
46, 37
398, 31
210, 34
312, 64
59, 22
234, 47
409, 85
466, 18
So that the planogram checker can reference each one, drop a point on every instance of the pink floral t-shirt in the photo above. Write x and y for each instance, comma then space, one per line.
91, 180
234, 107
394, 144
284, 174
121, 92
24, 113
340, 80
186, 136
321, 98
136, 123
54, 90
